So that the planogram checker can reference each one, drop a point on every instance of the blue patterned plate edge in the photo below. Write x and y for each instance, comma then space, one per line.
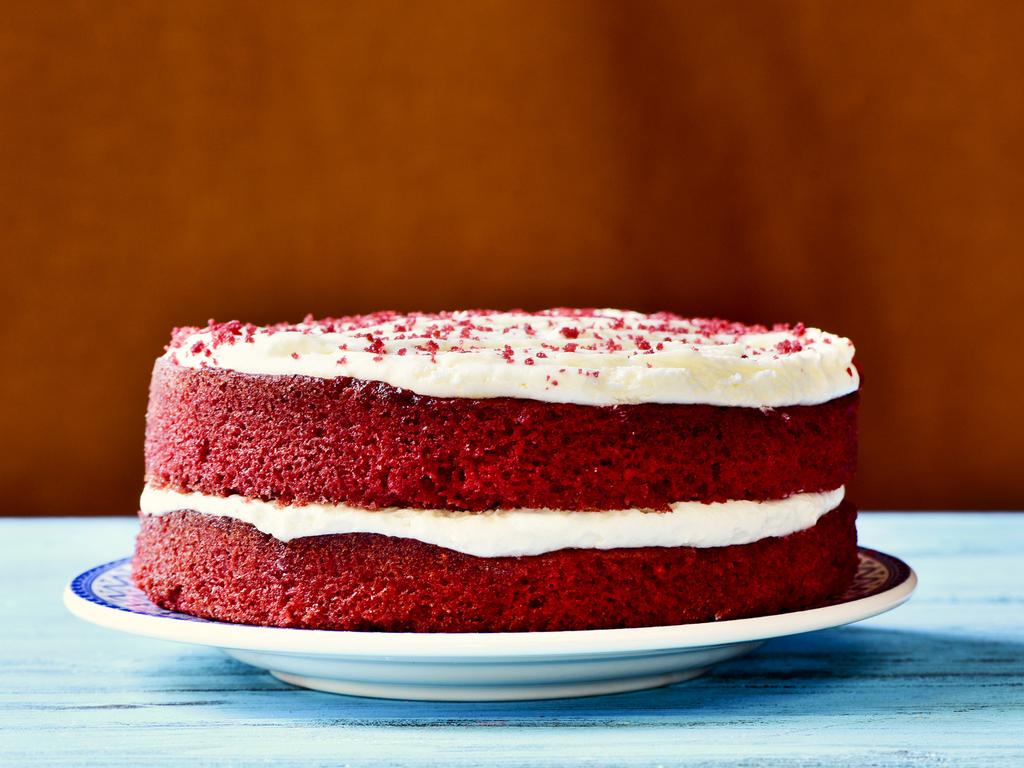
105, 595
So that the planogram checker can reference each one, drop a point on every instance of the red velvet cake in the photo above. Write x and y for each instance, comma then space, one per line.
498, 471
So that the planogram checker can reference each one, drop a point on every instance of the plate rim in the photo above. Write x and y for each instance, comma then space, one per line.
490, 645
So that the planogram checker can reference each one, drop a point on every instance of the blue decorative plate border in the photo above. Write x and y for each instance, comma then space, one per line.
876, 572
110, 585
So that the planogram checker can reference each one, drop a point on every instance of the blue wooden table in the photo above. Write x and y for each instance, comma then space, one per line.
939, 681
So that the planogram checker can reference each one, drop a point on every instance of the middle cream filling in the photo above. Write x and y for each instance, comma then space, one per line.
517, 532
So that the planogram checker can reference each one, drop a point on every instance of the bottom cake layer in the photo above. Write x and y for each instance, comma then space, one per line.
228, 570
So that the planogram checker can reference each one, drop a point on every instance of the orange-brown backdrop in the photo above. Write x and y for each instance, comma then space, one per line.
858, 166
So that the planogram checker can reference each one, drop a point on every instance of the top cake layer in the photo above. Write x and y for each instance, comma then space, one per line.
585, 357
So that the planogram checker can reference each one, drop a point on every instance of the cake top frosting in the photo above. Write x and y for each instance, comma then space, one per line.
584, 356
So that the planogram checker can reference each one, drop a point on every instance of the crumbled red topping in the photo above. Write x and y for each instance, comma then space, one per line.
376, 345
532, 335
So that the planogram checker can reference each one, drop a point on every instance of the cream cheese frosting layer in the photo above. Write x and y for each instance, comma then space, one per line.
587, 357
518, 532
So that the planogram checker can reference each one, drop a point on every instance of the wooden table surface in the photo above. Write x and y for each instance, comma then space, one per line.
939, 681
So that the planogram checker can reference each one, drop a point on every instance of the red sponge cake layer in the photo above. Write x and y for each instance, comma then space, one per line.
299, 438
224, 569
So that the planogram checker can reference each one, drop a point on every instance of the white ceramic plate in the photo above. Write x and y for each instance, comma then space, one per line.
482, 667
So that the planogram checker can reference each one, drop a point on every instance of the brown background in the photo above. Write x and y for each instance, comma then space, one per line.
858, 166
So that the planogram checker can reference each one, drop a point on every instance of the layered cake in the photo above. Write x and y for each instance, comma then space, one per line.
498, 471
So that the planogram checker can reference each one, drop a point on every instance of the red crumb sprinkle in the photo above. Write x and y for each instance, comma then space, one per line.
530, 334
342, 360
295, 355
431, 347
376, 345
226, 333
